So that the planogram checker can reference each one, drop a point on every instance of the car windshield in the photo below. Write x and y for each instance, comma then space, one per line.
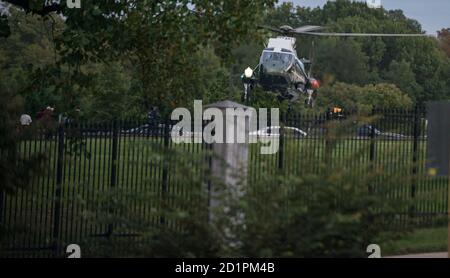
276, 61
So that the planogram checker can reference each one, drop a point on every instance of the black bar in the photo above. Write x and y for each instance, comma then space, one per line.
165, 172
2, 196
328, 147
372, 150
59, 177
219, 267
372, 142
416, 135
113, 177
281, 149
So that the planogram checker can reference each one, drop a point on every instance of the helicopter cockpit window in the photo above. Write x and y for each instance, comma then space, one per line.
300, 65
277, 61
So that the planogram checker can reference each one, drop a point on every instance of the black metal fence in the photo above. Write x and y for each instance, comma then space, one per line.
127, 154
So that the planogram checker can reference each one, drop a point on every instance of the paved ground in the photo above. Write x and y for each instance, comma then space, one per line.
424, 256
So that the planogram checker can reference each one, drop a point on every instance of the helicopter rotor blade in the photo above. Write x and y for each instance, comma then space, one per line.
276, 30
307, 28
359, 34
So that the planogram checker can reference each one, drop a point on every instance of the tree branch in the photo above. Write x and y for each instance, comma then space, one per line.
25, 4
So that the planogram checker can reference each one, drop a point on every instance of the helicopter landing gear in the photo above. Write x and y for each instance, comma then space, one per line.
310, 99
247, 93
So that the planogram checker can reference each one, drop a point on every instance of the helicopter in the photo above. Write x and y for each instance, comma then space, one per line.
280, 70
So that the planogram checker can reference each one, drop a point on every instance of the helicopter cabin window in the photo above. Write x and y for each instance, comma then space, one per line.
277, 61
300, 66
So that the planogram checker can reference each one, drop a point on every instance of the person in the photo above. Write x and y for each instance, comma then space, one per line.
25, 120
153, 120
45, 118
45, 113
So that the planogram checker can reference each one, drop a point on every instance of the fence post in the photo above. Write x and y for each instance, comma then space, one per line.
372, 140
165, 172
113, 177
229, 162
2, 197
58, 191
372, 149
416, 135
328, 150
281, 150
1, 206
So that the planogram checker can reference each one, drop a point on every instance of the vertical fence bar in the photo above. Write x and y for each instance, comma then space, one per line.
206, 172
416, 134
281, 150
113, 174
59, 178
328, 147
372, 140
372, 149
2, 197
165, 171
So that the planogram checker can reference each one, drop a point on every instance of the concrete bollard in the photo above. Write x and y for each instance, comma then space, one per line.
229, 162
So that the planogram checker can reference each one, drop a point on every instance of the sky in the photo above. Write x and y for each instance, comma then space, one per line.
432, 14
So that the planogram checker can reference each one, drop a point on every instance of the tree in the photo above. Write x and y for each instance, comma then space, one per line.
284, 14
24, 55
366, 61
40, 7
401, 74
363, 98
444, 39
110, 95
4, 28
26, 47
16, 168
158, 38
343, 59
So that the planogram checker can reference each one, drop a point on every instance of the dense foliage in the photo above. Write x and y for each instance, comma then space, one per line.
117, 59
166, 55
364, 98
417, 66
444, 39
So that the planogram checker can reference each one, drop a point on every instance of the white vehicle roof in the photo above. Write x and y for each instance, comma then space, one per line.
264, 130
280, 43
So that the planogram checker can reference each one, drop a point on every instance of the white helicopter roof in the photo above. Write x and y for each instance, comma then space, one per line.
280, 43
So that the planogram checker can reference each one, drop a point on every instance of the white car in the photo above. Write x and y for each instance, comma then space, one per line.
274, 131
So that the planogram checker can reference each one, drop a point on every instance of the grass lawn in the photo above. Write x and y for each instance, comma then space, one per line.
419, 241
